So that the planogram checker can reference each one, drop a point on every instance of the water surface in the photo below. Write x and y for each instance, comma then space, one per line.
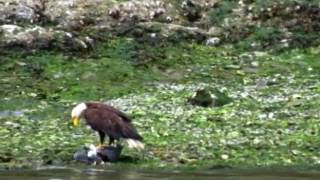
122, 174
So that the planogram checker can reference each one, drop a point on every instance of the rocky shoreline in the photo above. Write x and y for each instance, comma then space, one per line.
42, 24
77, 24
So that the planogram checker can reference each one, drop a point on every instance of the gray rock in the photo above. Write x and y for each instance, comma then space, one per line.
213, 41
44, 23
170, 31
40, 37
16, 11
215, 31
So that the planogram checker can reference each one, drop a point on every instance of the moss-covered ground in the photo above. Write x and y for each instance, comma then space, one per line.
272, 120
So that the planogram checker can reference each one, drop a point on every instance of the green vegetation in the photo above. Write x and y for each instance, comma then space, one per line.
267, 76
273, 118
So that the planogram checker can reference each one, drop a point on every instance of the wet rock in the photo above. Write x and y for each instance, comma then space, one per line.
92, 155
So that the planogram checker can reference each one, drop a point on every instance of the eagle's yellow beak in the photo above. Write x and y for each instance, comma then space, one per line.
75, 121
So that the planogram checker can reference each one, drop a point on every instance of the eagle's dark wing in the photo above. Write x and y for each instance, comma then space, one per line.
109, 108
111, 121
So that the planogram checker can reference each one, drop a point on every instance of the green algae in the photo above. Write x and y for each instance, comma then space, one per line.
272, 120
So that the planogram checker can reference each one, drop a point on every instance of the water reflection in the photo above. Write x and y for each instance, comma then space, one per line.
11, 113
123, 174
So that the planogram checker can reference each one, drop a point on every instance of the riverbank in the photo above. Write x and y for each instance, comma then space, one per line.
266, 76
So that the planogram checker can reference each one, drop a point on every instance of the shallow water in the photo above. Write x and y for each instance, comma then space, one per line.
11, 113
117, 174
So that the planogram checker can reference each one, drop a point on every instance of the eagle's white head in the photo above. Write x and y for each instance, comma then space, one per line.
77, 112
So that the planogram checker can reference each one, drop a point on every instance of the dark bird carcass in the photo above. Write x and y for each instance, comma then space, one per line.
107, 120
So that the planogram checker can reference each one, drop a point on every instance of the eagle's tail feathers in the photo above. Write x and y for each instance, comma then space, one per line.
135, 144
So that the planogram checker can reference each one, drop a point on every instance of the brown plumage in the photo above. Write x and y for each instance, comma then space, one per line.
107, 120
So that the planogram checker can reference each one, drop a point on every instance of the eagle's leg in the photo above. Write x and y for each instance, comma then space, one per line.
102, 136
111, 141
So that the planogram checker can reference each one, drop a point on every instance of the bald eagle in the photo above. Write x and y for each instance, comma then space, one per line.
107, 120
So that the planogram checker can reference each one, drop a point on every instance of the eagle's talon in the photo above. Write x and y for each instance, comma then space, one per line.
101, 146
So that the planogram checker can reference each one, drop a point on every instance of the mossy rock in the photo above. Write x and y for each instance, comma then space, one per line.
206, 98
202, 98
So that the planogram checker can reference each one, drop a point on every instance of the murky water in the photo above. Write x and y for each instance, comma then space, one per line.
117, 174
